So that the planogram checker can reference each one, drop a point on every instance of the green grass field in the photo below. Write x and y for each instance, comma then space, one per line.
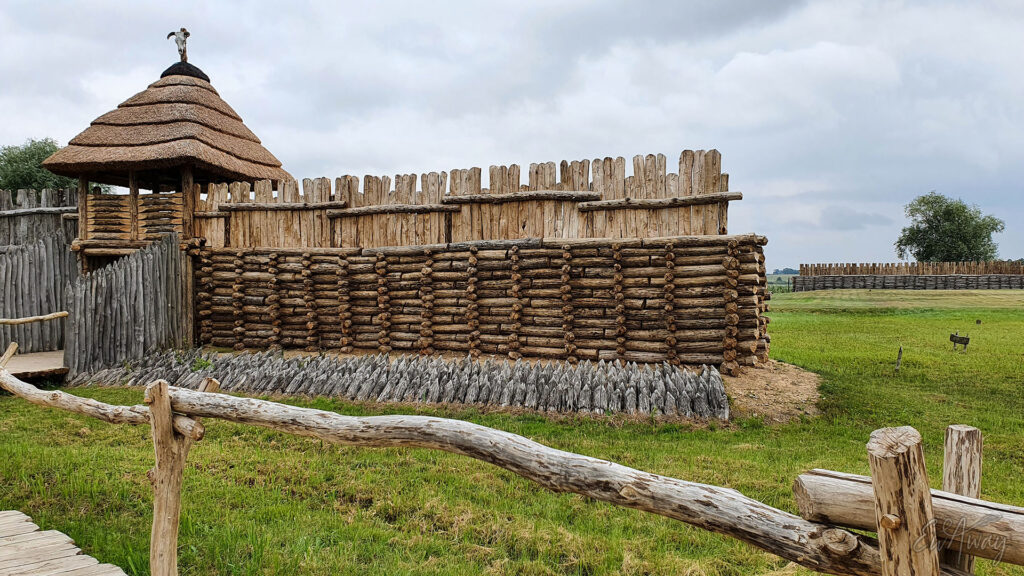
259, 502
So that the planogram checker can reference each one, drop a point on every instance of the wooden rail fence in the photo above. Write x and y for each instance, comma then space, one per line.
914, 268
577, 199
33, 278
28, 215
918, 529
130, 308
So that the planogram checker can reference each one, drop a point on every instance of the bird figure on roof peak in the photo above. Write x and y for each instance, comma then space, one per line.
179, 38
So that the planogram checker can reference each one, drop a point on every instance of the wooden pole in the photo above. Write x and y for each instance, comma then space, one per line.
961, 474
133, 205
903, 503
188, 201
171, 451
83, 208
31, 319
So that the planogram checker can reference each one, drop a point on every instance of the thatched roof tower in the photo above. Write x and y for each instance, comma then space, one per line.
179, 120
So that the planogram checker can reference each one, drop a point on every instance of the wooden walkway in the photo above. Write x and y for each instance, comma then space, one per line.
25, 550
37, 365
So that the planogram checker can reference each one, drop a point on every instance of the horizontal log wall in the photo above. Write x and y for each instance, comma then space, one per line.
578, 199
28, 215
913, 268
130, 308
109, 216
32, 281
910, 282
689, 300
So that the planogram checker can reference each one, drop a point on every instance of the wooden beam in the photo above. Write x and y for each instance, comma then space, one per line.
261, 206
658, 203
392, 209
133, 205
83, 208
903, 503
66, 210
961, 474
559, 195
189, 200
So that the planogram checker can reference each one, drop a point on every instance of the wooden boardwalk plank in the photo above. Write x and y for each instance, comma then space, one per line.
25, 550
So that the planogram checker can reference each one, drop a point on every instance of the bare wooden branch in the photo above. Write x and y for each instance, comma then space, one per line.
717, 509
559, 195
980, 528
88, 407
961, 474
391, 209
30, 319
658, 203
12, 349
262, 206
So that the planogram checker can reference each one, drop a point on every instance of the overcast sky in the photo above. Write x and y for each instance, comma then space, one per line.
830, 116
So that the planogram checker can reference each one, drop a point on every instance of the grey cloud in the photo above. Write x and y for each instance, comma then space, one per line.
815, 106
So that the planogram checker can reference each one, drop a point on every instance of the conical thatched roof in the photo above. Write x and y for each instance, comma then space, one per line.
178, 120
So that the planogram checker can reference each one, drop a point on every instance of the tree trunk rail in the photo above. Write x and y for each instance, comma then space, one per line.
819, 546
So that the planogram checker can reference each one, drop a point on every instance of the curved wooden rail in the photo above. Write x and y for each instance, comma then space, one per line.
820, 547
31, 319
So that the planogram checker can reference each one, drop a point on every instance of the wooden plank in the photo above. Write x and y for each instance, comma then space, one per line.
659, 203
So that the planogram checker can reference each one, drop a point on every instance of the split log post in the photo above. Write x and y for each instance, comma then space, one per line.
171, 450
961, 474
903, 503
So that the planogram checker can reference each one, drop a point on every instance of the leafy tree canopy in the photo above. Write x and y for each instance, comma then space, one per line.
21, 167
947, 230
785, 271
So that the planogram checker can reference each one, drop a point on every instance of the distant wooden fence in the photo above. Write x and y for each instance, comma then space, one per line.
920, 531
690, 299
910, 282
33, 278
132, 307
578, 199
913, 268
28, 215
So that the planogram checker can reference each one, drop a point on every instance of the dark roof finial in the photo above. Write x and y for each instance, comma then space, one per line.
179, 38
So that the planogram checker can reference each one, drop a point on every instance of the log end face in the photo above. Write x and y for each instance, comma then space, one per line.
839, 542
892, 442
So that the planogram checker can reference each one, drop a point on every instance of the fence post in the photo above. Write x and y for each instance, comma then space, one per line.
903, 504
171, 451
961, 474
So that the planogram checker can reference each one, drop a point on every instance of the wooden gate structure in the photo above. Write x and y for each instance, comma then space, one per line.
920, 532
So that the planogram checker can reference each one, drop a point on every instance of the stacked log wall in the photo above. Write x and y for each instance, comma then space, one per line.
683, 300
914, 268
910, 282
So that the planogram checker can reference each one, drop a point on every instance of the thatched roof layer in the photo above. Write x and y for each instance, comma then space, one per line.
178, 120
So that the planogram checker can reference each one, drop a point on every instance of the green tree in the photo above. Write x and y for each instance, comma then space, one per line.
947, 230
21, 167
